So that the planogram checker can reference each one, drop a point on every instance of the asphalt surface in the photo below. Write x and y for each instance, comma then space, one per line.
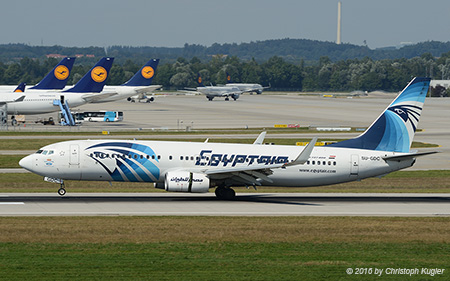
246, 204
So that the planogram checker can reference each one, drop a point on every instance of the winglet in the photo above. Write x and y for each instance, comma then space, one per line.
304, 155
260, 138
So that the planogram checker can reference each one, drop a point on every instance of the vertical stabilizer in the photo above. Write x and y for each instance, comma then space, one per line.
395, 127
95, 79
57, 78
145, 75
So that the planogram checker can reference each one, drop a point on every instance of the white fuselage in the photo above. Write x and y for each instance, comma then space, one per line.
218, 91
257, 88
40, 101
150, 161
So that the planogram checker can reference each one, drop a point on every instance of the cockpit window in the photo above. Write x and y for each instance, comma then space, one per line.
50, 152
39, 151
45, 152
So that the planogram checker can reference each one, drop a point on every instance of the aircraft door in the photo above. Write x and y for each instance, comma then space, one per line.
354, 169
74, 154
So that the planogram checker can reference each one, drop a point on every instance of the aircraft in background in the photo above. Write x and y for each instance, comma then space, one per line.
212, 92
196, 167
246, 87
137, 87
56, 79
43, 101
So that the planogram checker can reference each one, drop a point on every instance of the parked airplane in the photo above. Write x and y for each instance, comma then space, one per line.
137, 87
216, 91
196, 167
246, 87
43, 101
56, 79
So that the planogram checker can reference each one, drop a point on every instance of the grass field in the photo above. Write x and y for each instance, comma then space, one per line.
402, 181
220, 248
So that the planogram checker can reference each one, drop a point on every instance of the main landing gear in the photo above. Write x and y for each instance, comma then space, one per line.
225, 193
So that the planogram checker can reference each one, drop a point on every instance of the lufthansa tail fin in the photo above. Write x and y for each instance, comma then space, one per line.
395, 127
95, 79
20, 88
228, 77
57, 78
145, 75
199, 80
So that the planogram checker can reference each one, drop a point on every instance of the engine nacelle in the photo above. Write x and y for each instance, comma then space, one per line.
235, 96
182, 181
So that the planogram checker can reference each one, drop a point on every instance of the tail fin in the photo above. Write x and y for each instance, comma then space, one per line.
395, 127
145, 75
20, 88
199, 80
57, 78
95, 79
228, 78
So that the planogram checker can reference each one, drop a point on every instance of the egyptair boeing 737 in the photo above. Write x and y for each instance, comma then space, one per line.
196, 167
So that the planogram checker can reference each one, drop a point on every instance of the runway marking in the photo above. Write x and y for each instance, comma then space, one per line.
12, 203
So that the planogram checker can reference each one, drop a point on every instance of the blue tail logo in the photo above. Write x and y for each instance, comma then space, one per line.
95, 79
20, 88
57, 78
145, 75
395, 127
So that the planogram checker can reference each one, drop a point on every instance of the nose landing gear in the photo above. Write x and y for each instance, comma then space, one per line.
62, 190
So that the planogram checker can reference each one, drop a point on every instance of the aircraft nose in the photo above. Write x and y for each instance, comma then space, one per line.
26, 162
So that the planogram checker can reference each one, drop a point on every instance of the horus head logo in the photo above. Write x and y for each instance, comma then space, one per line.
99, 74
148, 72
407, 113
61, 72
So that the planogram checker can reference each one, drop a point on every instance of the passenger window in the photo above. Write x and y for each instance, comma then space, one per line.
318, 162
314, 162
170, 157
153, 157
159, 157
192, 158
181, 157
142, 156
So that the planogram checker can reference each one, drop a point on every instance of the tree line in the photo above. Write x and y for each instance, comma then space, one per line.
363, 74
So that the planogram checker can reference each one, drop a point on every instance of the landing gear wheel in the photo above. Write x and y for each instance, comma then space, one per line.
227, 99
61, 191
225, 193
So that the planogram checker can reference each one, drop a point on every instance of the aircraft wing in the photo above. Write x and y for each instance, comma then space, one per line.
19, 99
148, 89
93, 97
255, 173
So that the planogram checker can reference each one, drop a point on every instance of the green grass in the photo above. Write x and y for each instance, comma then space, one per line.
217, 261
220, 248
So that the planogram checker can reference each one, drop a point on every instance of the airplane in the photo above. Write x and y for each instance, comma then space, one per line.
44, 101
245, 87
192, 167
136, 88
216, 91
56, 79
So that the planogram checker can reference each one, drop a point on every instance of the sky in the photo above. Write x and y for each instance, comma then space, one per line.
172, 23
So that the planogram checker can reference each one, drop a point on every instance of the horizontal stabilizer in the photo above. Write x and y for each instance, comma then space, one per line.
407, 156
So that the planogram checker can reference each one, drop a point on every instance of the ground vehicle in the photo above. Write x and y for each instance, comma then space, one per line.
100, 116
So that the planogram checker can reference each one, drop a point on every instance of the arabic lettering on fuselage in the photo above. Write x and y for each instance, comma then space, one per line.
208, 158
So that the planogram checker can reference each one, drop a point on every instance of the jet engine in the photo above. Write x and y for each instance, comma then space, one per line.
182, 181
235, 96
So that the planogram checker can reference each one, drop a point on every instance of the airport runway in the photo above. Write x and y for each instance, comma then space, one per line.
246, 204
